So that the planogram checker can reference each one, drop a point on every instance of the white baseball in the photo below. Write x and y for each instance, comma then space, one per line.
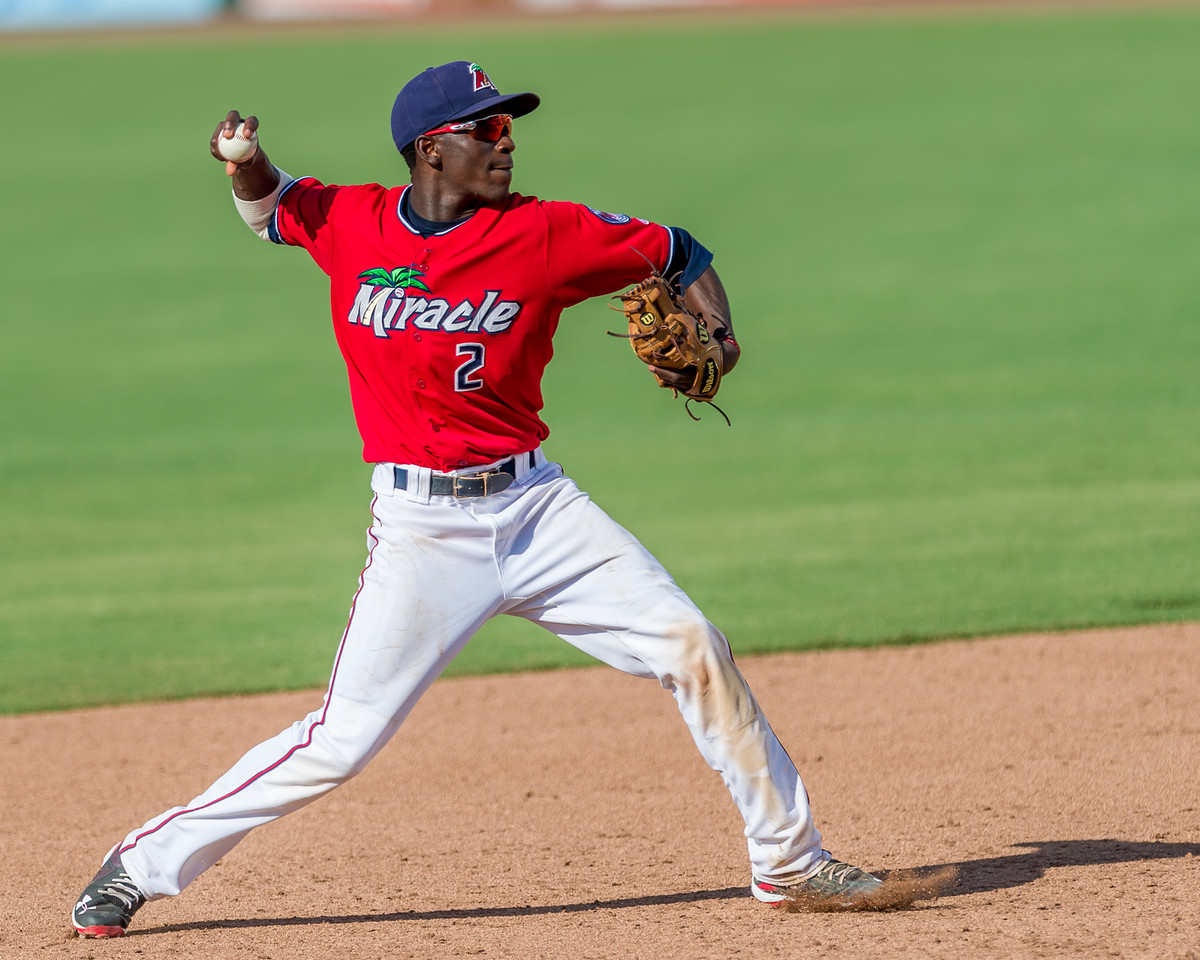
240, 147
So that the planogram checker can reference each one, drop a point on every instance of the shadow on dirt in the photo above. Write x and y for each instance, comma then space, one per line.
1015, 870
470, 913
974, 876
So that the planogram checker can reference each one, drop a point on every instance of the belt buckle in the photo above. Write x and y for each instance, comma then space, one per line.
485, 477
493, 481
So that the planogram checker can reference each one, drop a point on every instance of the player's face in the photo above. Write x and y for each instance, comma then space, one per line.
476, 167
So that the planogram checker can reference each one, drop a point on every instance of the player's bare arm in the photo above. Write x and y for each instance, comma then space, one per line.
254, 178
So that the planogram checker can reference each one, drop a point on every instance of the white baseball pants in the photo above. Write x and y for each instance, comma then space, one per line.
437, 569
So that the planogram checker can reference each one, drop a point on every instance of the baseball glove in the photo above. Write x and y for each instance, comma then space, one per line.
663, 333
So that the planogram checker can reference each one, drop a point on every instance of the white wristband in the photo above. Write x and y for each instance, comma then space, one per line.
258, 213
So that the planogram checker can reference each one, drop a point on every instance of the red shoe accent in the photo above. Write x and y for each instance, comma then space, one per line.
100, 931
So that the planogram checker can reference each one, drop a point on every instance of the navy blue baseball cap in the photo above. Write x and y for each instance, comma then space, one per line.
449, 93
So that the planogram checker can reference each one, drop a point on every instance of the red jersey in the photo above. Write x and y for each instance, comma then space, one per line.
446, 337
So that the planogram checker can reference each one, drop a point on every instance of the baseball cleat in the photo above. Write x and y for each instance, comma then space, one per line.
109, 902
836, 883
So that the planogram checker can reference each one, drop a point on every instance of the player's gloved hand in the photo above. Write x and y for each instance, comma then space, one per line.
674, 343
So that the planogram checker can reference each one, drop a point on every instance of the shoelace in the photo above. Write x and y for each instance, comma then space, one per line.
838, 872
122, 888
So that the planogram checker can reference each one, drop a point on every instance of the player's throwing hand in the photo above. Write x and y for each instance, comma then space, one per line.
235, 141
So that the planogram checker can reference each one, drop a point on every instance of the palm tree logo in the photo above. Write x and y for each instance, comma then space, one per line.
481, 80
399, 278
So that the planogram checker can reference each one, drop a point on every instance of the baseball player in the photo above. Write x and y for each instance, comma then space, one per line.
445, 295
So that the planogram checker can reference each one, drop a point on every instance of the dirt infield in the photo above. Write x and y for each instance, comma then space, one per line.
567, 815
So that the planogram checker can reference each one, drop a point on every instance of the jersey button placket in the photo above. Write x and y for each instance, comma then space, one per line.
421, 267
419, 384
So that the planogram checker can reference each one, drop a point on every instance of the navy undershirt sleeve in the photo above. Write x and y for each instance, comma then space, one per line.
689, 257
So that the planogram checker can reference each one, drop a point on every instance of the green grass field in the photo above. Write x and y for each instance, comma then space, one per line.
962, 250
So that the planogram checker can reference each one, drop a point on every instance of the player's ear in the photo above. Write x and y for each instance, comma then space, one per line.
429, 151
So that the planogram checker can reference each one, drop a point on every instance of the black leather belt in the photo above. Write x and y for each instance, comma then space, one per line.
498, 478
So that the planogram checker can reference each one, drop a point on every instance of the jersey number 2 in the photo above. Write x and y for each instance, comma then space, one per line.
463, 381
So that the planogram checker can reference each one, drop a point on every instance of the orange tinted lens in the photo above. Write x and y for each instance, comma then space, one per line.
492, 128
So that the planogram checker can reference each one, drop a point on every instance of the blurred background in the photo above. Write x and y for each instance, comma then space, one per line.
51, 14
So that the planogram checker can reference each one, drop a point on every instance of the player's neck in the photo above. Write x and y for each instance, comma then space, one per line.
440, 209
424, 226
442, 200
443, 206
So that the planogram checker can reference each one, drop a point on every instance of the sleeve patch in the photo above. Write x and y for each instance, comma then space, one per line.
613, 218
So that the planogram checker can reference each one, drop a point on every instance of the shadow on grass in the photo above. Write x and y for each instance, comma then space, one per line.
974, 876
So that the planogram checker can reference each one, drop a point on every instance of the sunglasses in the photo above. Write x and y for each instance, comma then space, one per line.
490, 129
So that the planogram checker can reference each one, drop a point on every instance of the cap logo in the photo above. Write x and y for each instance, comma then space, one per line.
481, 80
